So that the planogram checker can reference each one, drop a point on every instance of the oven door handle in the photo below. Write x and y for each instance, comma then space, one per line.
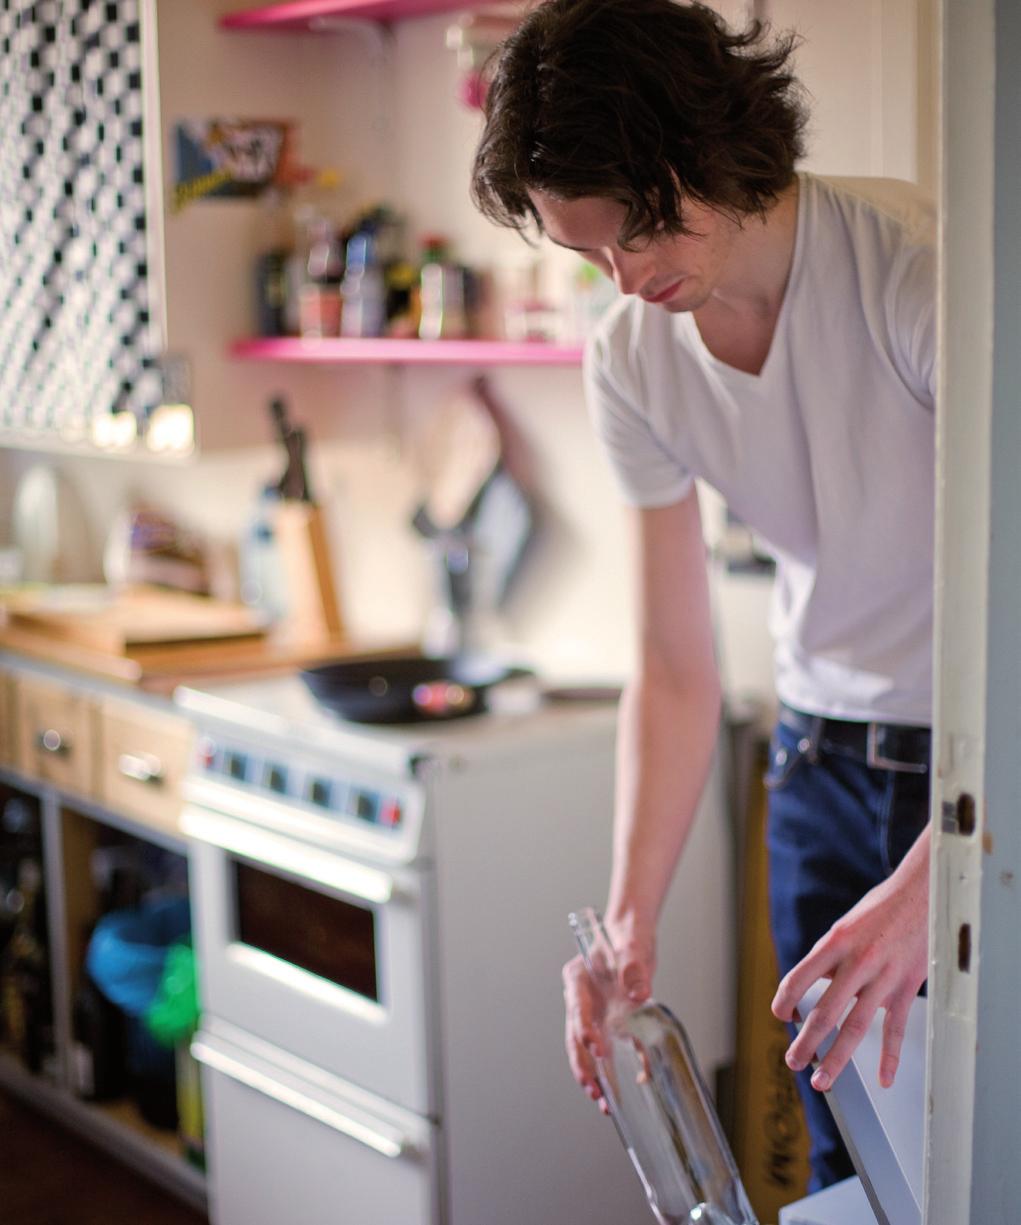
287, 855
388, 1141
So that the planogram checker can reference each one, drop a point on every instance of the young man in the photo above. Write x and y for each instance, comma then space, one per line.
776, 338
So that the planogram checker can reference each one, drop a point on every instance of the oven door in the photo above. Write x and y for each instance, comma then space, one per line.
291, 1144
316, 953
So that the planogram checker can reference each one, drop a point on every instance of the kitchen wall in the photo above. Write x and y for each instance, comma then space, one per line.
383, 110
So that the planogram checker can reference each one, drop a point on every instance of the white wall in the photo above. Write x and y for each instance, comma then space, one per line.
571, 607
869, 71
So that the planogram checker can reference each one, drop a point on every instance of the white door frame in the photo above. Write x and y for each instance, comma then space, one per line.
973, 1132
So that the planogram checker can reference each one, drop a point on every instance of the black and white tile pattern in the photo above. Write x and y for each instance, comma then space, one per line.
75, 291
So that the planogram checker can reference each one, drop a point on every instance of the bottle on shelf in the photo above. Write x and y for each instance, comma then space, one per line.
590, 294
363, 289
20, 838
25, 997
528, 314
317, 270
98, 1070
658, 1100
400, 276
271, 266
443, 293
320, 294
403, 302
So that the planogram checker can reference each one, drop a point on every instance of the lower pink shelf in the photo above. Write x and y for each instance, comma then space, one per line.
385, 351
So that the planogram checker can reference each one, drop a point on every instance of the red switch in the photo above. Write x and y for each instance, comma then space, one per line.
390, 813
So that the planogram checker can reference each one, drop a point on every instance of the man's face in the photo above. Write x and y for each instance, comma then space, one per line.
677, 271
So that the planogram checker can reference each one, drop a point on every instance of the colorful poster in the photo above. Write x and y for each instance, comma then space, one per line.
229, 158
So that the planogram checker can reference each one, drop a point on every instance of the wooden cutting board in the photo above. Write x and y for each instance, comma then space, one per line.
132, 622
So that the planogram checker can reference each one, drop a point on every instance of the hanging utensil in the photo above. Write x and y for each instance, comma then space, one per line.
293, 484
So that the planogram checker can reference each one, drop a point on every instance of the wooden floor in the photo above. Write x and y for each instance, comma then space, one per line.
49, 1176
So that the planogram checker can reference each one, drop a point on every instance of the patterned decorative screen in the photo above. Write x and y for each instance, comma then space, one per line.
76, 298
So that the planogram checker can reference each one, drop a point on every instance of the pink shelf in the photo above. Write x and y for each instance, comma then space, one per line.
406, 352
306, 14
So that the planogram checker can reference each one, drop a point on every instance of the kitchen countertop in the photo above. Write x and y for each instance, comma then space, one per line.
187, 664
161, 668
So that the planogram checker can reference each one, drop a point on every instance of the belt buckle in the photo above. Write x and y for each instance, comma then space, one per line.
874, 758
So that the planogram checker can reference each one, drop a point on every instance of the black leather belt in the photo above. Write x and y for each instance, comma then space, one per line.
885, 746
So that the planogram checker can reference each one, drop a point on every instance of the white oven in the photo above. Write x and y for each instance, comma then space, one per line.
321, 954
380, 922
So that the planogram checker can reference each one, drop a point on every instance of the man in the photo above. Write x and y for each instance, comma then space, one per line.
776, 338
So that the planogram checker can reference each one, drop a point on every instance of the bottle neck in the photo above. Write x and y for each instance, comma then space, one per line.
595, 947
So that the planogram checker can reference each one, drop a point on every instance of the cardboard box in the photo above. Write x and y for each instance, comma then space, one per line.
770, 1136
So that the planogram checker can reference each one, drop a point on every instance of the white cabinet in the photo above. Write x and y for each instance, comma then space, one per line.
869, 71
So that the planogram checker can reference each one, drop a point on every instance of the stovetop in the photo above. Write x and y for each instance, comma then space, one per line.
284, 709
267, 752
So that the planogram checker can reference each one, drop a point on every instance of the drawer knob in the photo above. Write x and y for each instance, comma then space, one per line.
141, 767
53, 742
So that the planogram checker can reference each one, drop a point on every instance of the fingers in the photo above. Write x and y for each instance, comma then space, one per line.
854, 1027
635, 979
894, 1026
820, 963
819, 1022
584, 1004
583, 1036
635, 944
583, 1067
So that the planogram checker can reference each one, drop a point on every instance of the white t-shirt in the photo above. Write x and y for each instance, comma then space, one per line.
828, 453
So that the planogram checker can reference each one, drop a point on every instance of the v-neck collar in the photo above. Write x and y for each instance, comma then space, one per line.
732, 372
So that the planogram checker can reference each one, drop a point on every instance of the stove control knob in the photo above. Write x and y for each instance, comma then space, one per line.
390, 813
205, 753
320, 792
235, 765
363, 804
275, 778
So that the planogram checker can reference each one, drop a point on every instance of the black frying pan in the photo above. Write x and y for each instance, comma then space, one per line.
416, 689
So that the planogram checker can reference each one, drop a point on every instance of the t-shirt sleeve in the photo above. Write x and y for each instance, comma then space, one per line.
646, 473
912, 312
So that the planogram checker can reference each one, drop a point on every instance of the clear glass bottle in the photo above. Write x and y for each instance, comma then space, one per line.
363, 289
658, 1100
320, 303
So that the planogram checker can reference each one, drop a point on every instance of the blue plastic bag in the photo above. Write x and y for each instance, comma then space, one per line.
128, 951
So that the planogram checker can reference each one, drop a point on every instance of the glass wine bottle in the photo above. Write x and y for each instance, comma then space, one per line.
658, 1100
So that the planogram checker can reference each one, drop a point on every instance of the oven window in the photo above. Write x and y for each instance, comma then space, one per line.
318, 933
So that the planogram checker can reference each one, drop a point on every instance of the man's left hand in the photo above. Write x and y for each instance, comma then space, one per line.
877, 953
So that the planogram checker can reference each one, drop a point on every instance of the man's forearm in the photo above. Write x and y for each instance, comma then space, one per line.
664, 750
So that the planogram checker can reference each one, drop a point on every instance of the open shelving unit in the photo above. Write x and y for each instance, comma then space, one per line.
389, 351
116, 1127
70, 825
320, 16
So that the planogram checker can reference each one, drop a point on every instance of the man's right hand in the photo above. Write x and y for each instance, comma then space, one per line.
585, 1005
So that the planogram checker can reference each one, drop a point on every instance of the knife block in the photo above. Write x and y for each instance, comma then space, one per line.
313, 614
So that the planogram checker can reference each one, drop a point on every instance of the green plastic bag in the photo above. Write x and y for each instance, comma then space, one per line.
174, 1014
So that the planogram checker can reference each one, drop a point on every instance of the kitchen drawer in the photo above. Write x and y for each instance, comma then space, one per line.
55, 734
305, 1149
143, 758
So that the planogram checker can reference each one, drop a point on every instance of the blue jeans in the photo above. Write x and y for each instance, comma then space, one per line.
836, 828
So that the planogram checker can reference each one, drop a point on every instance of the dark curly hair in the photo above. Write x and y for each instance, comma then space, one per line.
646, 102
